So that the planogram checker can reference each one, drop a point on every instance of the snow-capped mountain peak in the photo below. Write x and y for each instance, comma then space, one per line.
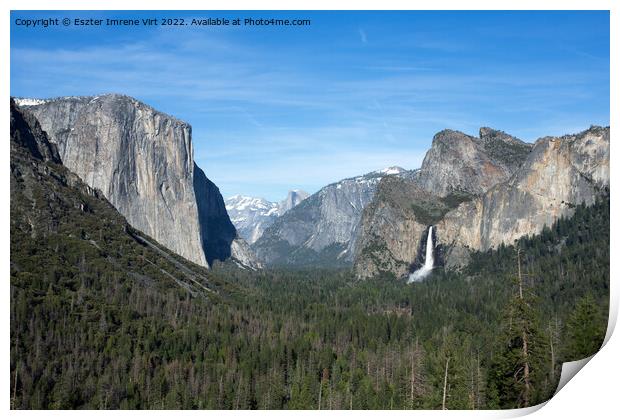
392, 170
252, 215
242, 202
29, 101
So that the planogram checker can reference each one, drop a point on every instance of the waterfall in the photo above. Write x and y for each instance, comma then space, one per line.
429, 260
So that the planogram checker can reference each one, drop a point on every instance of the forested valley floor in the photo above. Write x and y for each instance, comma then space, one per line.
99, 320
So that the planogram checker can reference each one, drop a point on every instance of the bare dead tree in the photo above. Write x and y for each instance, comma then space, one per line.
445, 384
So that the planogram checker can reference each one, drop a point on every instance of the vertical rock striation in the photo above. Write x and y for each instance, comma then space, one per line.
293, 198
391, 228
457, 168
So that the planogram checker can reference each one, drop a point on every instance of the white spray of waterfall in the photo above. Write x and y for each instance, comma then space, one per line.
429, 260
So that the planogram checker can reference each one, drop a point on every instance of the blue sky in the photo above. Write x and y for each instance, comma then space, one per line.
275, 108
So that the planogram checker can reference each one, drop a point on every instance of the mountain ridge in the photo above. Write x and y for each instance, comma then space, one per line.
322, 228
555, 175
252, 215
459, 162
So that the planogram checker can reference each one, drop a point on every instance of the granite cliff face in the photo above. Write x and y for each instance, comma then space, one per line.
502, 189
217, 233
457, 168
478, 192
329, 229
457, 162
252, 215
142, 161
558, 174
321, 230
392, 227
55, 213
26, 132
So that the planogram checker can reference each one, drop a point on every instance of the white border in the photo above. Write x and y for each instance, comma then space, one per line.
592, 394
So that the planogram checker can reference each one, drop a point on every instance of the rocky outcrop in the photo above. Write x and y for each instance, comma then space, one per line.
558, 174
55, 213
504, 149
26, 132
243, 255
217, 233
457, 162
252, 215
392, 227
384, 236
456, 168
142, 161
546, 182
321, 230
293, 198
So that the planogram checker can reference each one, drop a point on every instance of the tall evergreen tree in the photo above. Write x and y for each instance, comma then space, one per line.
518, 365
585, 330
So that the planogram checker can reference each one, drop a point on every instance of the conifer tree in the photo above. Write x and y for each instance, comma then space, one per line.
519, 363
585, 330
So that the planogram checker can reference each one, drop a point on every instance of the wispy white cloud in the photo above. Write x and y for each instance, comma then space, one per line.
362, 35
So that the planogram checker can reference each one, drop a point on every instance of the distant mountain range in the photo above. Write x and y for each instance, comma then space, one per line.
321, 230
252, 215
477, 192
